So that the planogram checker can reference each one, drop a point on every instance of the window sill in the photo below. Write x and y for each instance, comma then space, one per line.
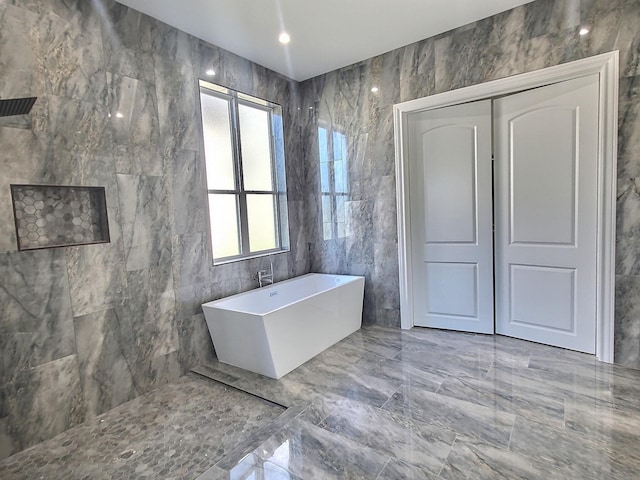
224, 261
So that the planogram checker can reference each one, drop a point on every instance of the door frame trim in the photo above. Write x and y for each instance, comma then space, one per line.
606, 66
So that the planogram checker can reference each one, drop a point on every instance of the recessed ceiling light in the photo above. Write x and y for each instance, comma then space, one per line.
211, 72
375, 89
119, 115
584, 31
284, 38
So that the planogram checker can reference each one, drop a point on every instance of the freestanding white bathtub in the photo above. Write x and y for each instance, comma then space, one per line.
274, 329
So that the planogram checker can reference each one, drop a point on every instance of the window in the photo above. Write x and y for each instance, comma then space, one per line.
244, 157
334, 182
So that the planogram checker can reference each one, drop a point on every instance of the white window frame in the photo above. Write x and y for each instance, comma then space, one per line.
279, 191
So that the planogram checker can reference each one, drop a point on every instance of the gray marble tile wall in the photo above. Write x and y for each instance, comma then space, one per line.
537, 35
83, 329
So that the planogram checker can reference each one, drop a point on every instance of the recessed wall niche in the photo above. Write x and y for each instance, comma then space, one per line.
49, 216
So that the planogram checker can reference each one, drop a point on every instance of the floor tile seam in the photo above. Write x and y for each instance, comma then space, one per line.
576, 367
490, 465
399, 354
565, 410
373, 341
397, 417
337, 390
495, 443
446, 377
496, 405
383, 467
381, 407
383, 356
321, 421
462, 403
456, 369
446, 460
364, 367
539, 461
368, 449
385, 384
387, 413
513, 427
430, 422
625, 426
509, 402
393, 457
493, 366
575, 437
461, 377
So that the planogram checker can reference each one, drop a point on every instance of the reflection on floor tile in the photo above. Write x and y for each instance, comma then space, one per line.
384, 404
487, 423
471, 459
450, 405
177, 431
412, 442
308, 451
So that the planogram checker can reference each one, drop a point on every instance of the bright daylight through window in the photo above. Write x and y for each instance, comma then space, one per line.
244, 153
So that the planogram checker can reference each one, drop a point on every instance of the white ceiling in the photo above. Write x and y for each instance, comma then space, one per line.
325, 34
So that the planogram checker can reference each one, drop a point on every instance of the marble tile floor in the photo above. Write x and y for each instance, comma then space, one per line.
426, 404
175, 432
382, 404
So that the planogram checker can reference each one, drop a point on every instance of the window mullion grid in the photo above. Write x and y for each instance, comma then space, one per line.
274, 181
242, 196
238, 190
332, 186
274, 197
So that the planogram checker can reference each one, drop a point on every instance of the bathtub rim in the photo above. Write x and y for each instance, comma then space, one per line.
212, 303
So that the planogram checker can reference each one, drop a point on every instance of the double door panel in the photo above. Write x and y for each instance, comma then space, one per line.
544, 210
451, 218
546, 214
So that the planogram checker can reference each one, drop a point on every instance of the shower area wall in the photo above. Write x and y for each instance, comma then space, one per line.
86, 328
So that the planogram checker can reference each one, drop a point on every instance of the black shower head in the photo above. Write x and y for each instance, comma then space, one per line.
16, 106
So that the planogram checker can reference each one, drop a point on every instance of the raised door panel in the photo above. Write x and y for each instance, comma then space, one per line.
546, 214
543, 175
450, 184
453, 289
451, 217
543, 297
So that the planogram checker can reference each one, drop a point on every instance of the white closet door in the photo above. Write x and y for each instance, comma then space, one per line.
451, 217
546, 214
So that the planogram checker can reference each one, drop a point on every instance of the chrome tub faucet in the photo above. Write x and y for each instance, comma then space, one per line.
264, 277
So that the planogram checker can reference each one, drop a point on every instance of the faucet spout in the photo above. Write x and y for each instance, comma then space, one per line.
265, 277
